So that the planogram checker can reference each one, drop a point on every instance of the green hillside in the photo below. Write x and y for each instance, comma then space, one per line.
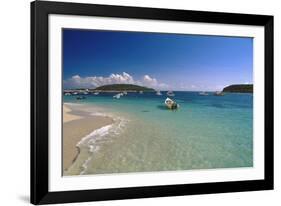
239, 88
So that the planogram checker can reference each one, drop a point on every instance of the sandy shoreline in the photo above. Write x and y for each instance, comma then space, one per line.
67, 116
75, 127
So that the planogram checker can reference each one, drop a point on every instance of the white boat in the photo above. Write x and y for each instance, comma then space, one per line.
125, 93
117, 96
85, 93
203, 94
170, 94
158, 93
171, 104
96, 93
75, 93
67, 94
141, 92
219, 93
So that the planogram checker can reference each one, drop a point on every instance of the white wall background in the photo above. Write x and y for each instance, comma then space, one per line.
14, 101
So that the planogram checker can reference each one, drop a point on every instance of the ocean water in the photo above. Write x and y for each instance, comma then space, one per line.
206, 132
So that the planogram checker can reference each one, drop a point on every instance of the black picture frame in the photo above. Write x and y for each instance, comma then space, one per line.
40, 112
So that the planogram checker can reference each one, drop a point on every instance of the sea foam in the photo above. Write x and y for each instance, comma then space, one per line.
105, 134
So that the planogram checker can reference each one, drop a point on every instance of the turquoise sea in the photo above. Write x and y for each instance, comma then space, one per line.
205, 132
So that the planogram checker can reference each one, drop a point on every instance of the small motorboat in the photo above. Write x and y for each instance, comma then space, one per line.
141, 92
75, 93
203, 94
96, 93
67, 94
158, 93
125, 93
170, 94
219, 93
171, 104
117, 96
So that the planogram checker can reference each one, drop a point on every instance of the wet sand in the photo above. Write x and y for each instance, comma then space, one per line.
75, 127
67, 116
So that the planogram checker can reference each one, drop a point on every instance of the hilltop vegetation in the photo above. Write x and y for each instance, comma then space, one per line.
123, 87
239, 88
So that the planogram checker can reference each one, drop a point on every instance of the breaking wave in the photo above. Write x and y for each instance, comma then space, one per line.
98, 137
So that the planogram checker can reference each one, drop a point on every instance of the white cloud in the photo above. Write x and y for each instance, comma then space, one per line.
91, 82
149, 80
152, 82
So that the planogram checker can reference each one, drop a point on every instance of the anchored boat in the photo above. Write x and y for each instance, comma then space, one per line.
219, 94
117, 96
171, 104
170, 94
203, 94
158, 93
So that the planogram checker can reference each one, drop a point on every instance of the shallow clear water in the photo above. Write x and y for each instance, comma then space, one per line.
205, 132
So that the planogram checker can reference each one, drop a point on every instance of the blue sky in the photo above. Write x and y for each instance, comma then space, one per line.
163, 61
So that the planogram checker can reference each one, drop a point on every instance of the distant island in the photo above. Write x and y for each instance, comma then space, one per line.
239, 88
123, 87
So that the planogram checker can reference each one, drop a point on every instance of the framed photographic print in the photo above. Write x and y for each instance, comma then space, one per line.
133, 102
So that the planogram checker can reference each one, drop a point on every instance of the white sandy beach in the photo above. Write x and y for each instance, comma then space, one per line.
75, 127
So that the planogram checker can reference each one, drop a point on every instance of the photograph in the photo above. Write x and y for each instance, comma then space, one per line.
130, 102
155, 102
